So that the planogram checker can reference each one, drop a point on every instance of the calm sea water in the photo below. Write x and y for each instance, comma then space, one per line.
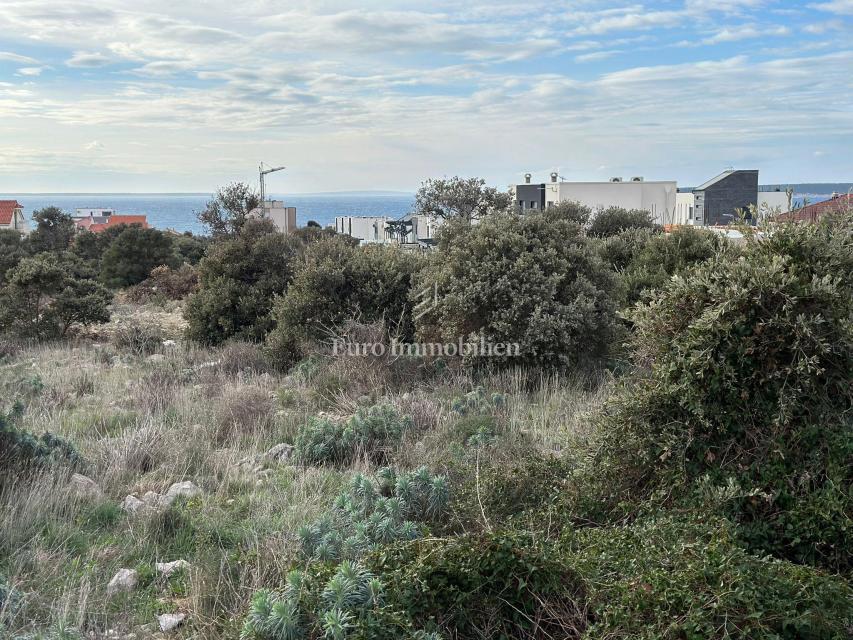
178, 211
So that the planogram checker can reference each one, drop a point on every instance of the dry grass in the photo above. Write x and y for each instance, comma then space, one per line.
189, 413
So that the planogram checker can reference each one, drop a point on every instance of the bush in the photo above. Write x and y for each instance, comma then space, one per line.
47, 294
131, 256
339, 282
367, 434
12, 250
373, 512
21, 451
165, 283
137, 339
746, 405
666, 255
533, 280
348, 604
239, 278
667, 578
503, 585
614, 220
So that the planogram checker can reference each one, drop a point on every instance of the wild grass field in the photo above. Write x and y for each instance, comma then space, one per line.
145, 417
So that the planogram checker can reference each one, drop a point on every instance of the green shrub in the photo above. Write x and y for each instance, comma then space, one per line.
673, 578
10, 601
367, 433
47, 294
337, 283
501, 585
533, 280
614, 220
239, 278
478, 402
666, 255
746, 404
349, 604
21, 451
376, 511
133, 254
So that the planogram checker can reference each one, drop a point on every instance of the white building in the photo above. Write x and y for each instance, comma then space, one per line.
367, 229
684, 211
773, 202
81, 213
284, 218
656, 197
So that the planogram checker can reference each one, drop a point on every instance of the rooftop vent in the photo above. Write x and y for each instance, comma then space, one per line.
637, 179
615, 179
554, 176
527, 177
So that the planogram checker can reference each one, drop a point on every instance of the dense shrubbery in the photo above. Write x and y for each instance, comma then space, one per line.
366, 434
48, 293
673, 578
239, 278
373, 512
338, 282
534, 280
133, 253
747, 401
614, 220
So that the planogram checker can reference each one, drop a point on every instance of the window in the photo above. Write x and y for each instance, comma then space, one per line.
533, 204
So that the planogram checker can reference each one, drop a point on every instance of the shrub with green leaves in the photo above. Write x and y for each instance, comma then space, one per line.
367, 433
501, 585
377, 511
674, 578
337, 283
351, 603
615, 220
748, 391
21, 450
534, 280
478, 402
239, 277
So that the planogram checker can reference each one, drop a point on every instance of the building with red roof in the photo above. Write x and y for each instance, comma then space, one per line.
96, 224
837, 204
12, 216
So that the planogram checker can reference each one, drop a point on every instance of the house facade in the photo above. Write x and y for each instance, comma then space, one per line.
717, 201
12, 216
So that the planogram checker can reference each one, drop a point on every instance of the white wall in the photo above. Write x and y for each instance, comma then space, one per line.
770, 202
658, 198
684, 208
368, 229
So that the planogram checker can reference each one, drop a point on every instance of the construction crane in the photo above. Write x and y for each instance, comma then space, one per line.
264, 172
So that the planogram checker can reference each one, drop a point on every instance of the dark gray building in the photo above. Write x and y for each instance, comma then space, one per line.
530, 196
717, 201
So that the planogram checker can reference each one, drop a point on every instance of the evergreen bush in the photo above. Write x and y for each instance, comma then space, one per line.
377, 511
367, 433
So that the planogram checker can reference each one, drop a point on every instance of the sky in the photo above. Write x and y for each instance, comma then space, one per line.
166, 96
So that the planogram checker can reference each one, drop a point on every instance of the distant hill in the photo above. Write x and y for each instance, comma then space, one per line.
822, 188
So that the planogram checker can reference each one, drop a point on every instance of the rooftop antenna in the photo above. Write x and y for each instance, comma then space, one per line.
262, 173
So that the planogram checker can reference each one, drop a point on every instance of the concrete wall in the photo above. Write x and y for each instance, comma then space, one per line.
770, 202
658, 198
368, 229
684, 203
424, 227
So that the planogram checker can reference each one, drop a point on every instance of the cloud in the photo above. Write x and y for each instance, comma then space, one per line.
841, 7
93, 146
31, 71
8, 56
633, 21
84, 60
819, 28
596, 56
738, 34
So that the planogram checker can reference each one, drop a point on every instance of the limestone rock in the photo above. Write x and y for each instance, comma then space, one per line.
185, 489
132, 504
124, 580
84, 486
170, 621
281, 453
166, 569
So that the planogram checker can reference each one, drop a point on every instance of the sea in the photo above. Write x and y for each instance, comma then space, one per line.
178, 210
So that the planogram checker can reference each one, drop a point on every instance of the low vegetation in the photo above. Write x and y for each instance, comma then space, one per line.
669, 458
